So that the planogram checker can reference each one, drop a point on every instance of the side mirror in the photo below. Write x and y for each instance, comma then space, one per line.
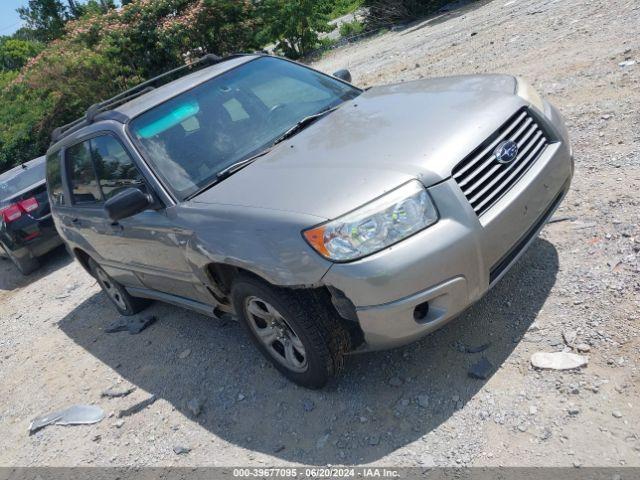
343, 74
127, 203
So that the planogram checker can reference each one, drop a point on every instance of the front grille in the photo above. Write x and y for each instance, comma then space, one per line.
482, 179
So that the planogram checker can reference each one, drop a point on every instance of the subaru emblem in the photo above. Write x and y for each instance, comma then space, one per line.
506, 152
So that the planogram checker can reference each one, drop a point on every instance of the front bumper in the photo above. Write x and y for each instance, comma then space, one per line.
452, 264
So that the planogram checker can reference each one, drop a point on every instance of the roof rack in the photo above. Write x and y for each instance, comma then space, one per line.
139, 90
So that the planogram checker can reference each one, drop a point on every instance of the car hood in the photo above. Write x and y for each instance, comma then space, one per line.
372, 144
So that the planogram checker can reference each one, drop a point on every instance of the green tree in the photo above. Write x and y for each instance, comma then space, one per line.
102, 54
294, 25
15, 52
45, 19
90, 7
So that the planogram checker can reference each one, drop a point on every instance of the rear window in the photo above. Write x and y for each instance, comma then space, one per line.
54, 178
20, 178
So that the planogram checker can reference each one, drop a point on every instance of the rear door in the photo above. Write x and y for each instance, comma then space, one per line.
82, 217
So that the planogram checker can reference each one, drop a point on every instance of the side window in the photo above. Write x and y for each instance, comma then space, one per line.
54, 178
116, 171
82, 176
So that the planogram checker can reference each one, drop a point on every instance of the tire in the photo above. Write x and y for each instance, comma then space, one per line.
25, 265
295, 329
116, 293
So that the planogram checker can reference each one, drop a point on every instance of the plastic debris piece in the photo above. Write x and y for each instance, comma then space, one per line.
481, 369
558, 360
132, 325
114, 392
137, 407
76, 415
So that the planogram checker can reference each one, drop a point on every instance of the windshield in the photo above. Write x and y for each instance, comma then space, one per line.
193, 136
20, 178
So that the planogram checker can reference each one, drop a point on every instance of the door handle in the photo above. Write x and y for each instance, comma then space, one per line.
116, 227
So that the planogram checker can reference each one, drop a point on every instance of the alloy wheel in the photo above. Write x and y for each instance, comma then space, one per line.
275, 333
110, 288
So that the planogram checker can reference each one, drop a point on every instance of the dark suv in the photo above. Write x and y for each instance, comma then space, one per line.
328, 218
26, 226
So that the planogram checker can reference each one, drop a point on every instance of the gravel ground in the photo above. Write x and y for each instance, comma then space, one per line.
413, 406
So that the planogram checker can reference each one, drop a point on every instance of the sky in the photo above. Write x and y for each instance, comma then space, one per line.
9, 20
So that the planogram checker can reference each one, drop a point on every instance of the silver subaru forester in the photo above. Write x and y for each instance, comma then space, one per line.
327, 218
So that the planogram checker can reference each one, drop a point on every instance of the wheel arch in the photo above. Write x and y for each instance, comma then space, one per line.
83, 258
223, 275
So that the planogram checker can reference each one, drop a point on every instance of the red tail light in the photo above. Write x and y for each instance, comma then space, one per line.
14, 211
28, 205
10, 213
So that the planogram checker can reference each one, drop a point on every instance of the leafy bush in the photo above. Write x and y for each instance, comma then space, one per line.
342, 7
350, 29
15, 52
294, 24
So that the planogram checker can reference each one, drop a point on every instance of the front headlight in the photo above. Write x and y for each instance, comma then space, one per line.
529, 94
376, 225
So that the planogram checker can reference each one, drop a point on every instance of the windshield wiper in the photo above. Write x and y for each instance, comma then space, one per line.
228, 171
234, 167
306, 121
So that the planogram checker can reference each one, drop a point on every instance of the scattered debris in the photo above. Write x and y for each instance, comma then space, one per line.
570, 337
374, 440
133, 325
114, 392
481, 369
616, 414
279, 448
195, 406
558, 360
395, 381
322, 441
137, 407
76, 415
181, 449
184, 354
478, 348
627, 63
241, 397
118, 423
308, 405
423, 400
583, 347
562, 219
573, 411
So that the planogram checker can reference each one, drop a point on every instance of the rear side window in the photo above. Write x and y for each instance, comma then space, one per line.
82, 175
116, 171
54, 179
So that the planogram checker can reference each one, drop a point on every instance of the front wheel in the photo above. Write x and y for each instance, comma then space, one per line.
121, 299
295, 330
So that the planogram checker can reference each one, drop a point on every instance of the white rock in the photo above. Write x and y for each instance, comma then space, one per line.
558, 360
569, 336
